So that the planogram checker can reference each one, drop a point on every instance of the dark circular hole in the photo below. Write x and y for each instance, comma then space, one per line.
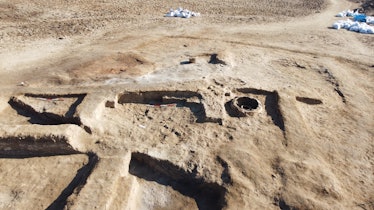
247, 103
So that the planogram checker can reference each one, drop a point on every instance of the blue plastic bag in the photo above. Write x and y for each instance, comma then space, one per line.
360, 18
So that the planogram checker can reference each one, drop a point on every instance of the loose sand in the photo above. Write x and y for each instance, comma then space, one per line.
110, 105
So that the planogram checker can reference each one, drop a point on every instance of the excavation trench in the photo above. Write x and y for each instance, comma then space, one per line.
242, 106
30, 146
76, 184
310, 101
207, 195
39, 110
189, 99
155, 96
271, 105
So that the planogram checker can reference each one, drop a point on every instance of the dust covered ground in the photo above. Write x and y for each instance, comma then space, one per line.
253, 105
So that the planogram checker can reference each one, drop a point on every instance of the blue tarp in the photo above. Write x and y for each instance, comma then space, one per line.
359, 17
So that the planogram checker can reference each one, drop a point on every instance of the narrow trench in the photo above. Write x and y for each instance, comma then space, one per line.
149, 96
31, 146
179, 98
273, 110
271, 105
208, 196
225, 176
215, 60
76, 184
310, 101
340, 93
332, 79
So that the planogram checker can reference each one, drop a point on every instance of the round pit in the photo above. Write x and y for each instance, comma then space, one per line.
247, 103
243, 106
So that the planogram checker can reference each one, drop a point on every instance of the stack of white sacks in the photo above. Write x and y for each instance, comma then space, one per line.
369, 19
360, 27
180, 12
347, 13
354, 26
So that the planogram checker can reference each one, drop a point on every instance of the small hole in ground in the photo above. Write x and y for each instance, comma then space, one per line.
214, 59
310, 101
247, 103
242, 106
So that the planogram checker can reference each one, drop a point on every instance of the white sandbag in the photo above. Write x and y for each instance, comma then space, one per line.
346, 13
195, 14
346, 25
184, 14
350, 13
363, 30
341, 14
357, 25
366, 29
170, 14
355, 28
369, 19
337, 25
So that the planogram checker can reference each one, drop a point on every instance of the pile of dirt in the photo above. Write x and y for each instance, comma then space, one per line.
367, 6
118, 64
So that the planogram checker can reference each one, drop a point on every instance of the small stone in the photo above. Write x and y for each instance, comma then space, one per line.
110, 104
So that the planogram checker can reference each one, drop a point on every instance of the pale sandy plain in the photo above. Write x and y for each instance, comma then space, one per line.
100, 107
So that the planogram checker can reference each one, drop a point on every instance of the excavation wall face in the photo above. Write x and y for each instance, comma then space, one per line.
48, 109
242, 106
156, 96
189, 99
76, 184
29, 146
207, 195
310, 101
226, 164
271, 104
36, 182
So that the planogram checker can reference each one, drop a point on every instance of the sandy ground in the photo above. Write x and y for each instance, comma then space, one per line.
110, 105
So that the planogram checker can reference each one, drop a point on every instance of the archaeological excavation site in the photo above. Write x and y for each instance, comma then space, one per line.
131, 105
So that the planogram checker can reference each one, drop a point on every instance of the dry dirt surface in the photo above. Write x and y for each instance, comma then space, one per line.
253, 105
